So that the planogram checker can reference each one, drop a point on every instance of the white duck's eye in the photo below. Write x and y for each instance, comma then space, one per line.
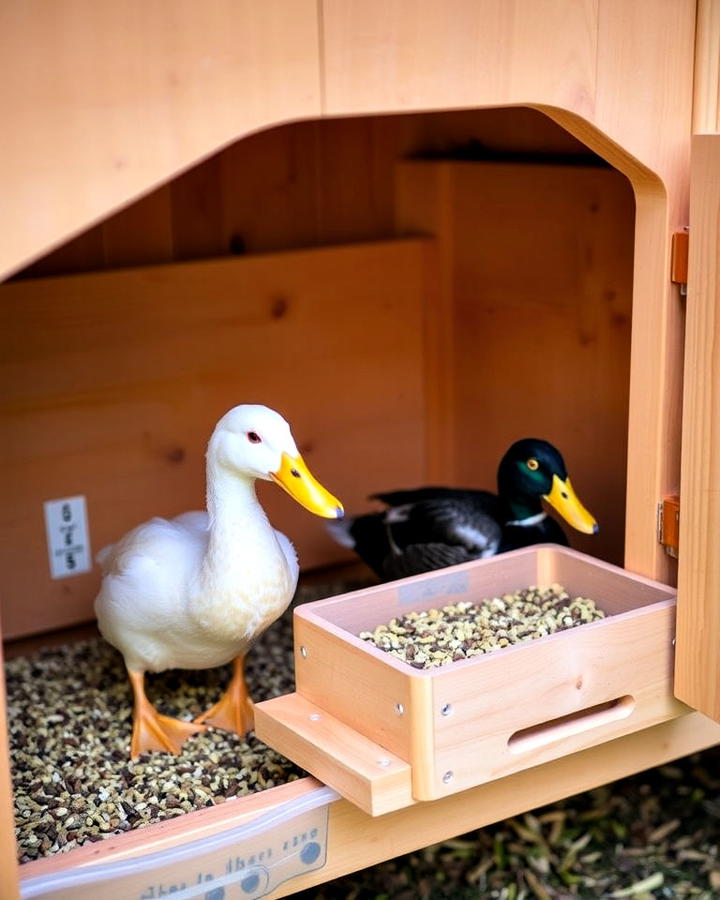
254, 437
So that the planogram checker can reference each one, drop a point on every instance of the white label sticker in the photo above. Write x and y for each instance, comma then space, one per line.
439, 585
67, 536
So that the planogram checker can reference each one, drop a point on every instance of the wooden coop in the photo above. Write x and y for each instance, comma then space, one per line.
421, 230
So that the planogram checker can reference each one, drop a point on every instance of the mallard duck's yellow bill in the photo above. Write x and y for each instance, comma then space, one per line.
294, 477
563, 498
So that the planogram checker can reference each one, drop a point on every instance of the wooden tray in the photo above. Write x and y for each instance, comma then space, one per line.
386, 735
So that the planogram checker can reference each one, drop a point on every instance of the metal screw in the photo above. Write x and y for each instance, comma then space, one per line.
384, 763
303, 652
446, 709
314, 717
448, 777
400, 709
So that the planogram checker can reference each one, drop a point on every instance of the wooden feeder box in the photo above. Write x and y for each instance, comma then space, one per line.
385, 734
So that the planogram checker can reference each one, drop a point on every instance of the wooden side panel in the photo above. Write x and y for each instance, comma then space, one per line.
540, 261
655, 388
113, 382
109, 100
697, 670
654, 42
8, 847
355, 687
584, 676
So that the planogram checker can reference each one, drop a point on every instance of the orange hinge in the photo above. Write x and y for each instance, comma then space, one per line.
669, 524
679, 257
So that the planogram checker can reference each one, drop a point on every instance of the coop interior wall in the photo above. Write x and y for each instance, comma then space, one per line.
417, 359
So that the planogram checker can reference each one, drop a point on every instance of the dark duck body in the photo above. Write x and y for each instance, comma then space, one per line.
433, 527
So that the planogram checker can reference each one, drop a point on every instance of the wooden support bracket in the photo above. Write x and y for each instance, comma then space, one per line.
669, 525
361, 770
679, 259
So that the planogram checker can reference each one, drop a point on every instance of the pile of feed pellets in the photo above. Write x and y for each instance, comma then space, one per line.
436, 637
70, 721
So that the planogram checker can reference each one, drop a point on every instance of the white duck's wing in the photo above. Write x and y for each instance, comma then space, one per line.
156, 539
143, 596
193, 521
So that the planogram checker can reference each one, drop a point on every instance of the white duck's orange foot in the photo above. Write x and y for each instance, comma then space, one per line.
234, 710
230, 714
153, 731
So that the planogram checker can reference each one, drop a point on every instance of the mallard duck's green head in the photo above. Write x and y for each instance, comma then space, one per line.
533, 470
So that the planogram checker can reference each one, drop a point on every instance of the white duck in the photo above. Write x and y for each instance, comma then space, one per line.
193, 592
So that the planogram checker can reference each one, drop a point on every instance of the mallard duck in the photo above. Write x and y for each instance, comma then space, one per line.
434, 527
194, 591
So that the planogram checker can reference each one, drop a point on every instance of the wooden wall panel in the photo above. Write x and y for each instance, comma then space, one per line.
196, 199
84, 253
462, 53
113, 382
108, 100
138, 234
271, 185
544, 305
644, 85
623, 66
697, 668
706, 107
299, 185
541, 264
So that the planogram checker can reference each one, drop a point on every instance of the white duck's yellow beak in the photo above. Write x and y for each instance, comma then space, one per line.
563, 498
294, 477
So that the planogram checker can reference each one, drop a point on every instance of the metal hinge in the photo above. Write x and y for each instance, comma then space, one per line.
668, 525
679, 259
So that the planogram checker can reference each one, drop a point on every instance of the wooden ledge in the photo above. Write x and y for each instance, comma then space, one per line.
361, 770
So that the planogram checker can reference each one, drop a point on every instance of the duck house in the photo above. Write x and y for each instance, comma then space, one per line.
420, 231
